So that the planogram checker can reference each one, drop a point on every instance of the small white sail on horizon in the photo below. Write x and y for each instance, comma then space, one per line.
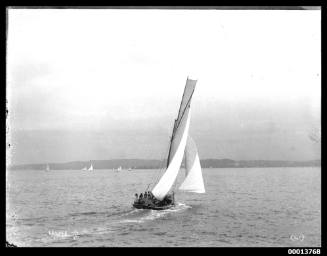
84, 169
182, 144
91, 168
47, 168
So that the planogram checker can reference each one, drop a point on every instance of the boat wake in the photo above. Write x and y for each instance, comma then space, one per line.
144, 215
119, 222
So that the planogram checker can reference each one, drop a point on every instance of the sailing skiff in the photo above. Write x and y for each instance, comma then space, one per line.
181, 145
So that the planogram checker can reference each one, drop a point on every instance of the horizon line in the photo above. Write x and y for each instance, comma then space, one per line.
160, 160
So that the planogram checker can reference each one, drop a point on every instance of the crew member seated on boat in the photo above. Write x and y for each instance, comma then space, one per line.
145, 194
141, 196
136, 197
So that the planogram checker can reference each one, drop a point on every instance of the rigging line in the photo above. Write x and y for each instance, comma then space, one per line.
187, 106
170, 142
164, 167
180, 104
159, 172
174, 128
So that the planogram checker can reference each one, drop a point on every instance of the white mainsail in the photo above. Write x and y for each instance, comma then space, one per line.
194, 180
169, 177
178, 143
91, 168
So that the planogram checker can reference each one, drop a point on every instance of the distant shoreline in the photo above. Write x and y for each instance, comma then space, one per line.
155, 164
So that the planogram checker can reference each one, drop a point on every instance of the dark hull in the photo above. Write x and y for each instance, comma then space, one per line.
153, 207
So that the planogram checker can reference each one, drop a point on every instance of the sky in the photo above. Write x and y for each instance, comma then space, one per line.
102, 84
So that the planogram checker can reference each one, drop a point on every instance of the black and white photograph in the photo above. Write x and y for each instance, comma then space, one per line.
163, 127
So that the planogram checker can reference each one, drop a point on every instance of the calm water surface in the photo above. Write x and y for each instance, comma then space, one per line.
241, 207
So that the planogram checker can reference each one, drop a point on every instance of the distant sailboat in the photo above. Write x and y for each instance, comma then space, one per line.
129, 169
162, 196
47, 168
91, 168
84, 169
119, 168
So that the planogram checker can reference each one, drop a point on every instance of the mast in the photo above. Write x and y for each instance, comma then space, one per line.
174, 128
187, 106
171, 140
177, 124
180, 106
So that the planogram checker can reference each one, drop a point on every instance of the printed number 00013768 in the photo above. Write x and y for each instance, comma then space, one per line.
303, 251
